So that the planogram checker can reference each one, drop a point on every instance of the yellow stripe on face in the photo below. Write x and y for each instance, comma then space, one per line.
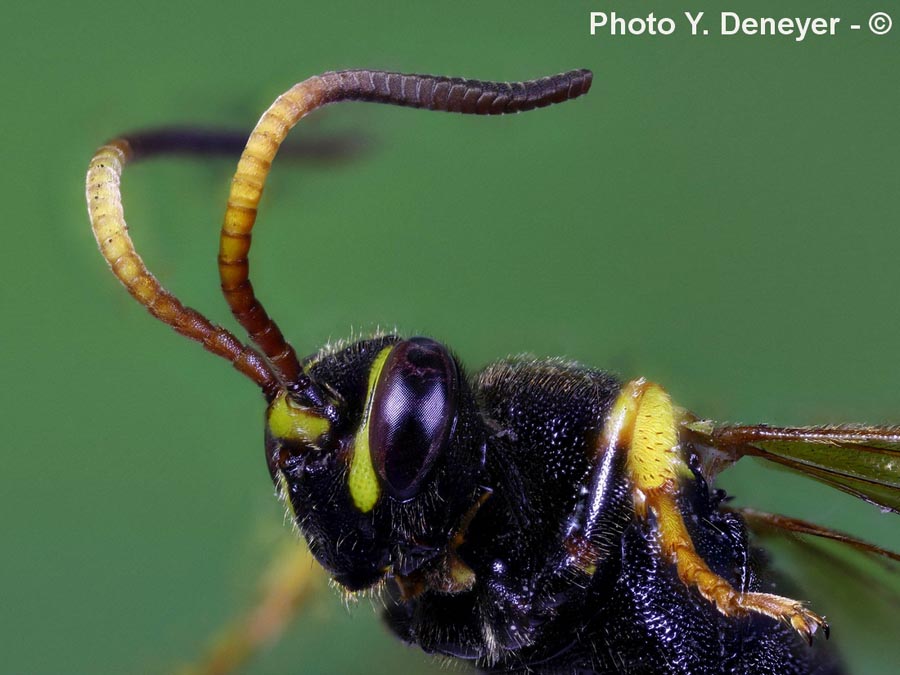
290, 422
362, 480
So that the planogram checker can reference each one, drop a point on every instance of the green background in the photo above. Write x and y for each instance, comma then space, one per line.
719, 215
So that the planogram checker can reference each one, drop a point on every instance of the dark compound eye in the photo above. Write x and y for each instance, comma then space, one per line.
412, 414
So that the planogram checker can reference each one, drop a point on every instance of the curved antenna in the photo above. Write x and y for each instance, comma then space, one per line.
416, 91
104, 201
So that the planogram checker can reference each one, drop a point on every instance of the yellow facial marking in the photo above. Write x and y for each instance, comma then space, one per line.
362, 480
290, 422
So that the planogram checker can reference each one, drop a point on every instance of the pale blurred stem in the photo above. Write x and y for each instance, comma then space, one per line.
286, 586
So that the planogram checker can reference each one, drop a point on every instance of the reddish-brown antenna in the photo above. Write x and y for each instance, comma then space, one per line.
107, 217
104, 199
416, 91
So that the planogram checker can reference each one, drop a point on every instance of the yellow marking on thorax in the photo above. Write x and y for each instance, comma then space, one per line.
362, 480
291, 422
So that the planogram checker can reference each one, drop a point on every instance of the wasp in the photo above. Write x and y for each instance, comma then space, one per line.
538, 515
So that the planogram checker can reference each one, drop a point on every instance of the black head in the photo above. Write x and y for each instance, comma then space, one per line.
379, 477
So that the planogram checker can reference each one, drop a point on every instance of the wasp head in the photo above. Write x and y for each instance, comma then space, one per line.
378, 476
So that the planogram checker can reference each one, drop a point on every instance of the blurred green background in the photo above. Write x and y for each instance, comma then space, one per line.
720, 215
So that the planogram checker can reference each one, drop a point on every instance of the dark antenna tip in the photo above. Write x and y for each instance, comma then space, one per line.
455, 94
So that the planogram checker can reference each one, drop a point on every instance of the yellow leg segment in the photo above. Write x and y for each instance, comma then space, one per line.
656, 469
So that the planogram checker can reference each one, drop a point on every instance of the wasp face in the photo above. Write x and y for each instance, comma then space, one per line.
379, 479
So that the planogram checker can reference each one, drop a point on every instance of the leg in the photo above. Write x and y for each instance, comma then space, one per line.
647, 426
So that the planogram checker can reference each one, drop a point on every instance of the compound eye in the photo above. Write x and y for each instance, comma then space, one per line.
413, 410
